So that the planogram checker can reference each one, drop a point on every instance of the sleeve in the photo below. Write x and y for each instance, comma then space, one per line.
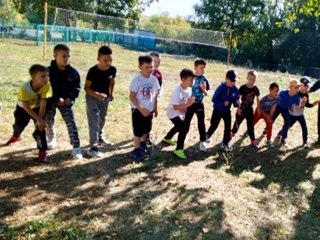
90, 76
235, 100
207, 84
308, 104
46, 92
23, 95
241, 90
216, 94
297, 100
76, 87
175, 99
134, 86
315, 86
278, 101
115, 73
257, 92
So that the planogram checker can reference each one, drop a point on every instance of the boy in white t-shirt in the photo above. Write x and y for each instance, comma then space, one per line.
144, 90
181, 99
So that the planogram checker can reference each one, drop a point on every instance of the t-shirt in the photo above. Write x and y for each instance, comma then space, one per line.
285, 100
146, 89
158, 75
179, 96
26, 94
196, 90
100, 79
266, 103
247, 96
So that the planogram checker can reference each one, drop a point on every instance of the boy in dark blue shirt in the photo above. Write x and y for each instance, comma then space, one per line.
225, 95
199, 90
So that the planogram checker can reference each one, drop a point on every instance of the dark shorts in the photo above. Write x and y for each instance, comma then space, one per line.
141, 125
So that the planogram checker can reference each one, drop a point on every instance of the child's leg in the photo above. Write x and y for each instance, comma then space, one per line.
21, 120
49, 118
41, 140
146, 127
189, 114
249, 117
138, 125
227, 126
303, 123
93, 115
173, 130
103, 114
286, 118
237, 122
256, 117
201, 123
214, 122
181, 126
68, 117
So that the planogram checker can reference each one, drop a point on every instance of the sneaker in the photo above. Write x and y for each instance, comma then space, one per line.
76, 153
144, 148
180, 154
12, 140
103, 141
254, 144
94, 152
42, 157
305, 145
52, 143
232, 135
208, 139
269, 143
168, 141
225, 147
202, 147
136, 155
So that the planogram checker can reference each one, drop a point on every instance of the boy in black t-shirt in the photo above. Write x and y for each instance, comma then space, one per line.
248, 93
99, 92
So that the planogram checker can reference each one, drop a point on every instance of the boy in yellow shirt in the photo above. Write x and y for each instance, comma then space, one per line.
32, 100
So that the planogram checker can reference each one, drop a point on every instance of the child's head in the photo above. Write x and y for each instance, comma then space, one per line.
305, 84
61, 53
294, 86
39, 74
231, 78
199, 66
104, 56
251, 77
145, 65
156, 59
187, 77
274, 89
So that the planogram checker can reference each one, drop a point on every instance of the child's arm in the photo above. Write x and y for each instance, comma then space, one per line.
89, 91
39, 121
111, 87
156, 105
134, 101
43, 106
74, 92
273, 109
184, 106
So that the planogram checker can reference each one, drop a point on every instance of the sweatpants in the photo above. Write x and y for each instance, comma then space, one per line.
256, 119
21, 120
180, 127
248, 115
96, 113
198, 109
214, 123
68, 117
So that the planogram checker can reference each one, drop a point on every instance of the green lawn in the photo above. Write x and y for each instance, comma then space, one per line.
247, 194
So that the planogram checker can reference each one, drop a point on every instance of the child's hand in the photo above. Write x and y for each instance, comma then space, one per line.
145, 112
203, 86
60, 102
101, 96
156, 113
190, 101
41, 124
111, 98
239, 111
226, 103
68, 102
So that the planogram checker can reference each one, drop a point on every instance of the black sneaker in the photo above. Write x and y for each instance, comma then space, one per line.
144, 148
94, 152
136, 155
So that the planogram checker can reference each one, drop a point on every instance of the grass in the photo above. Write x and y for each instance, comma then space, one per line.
247, 194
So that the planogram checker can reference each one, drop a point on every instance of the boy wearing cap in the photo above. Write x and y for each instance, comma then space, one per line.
288, 98
298, 114
314, 88
225, 95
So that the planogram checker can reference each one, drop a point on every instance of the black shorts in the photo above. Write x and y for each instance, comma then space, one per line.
141, 125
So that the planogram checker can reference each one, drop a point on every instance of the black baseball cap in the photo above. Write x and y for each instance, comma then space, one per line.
305, 80
232, 75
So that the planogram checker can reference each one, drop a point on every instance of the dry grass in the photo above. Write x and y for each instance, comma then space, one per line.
264, 194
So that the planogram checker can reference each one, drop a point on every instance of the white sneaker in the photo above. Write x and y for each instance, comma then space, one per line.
225, 147
76, 153
202, 147
52, 143
208, 139
94, 152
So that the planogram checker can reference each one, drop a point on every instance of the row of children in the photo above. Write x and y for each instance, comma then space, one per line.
39, 99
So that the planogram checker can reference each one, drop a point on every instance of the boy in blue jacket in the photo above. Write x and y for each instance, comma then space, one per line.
225, 95
65, 82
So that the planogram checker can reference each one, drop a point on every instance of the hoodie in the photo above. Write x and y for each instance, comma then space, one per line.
222, 94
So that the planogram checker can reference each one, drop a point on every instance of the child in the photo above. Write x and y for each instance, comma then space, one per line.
99, 92
286, 99
225, 95
199, 90
266, 107
314, 88
65, 82
32, 100
156, 72
297, 114
181, 99
144, 90
248, 92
